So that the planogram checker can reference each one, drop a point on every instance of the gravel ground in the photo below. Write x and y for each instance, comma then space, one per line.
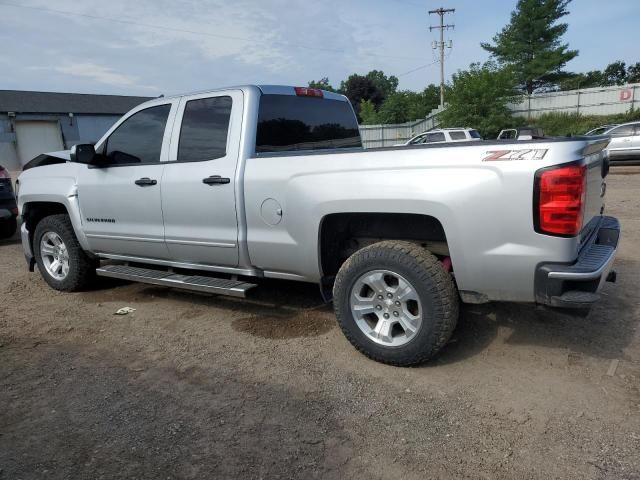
195, 386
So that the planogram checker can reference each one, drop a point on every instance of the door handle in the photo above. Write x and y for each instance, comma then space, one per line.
216, 180
145, 182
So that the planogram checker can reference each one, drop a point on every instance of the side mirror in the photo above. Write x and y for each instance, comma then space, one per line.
84, 153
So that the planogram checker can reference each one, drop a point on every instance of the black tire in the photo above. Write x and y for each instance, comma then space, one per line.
8, 227
82, 269
432, 284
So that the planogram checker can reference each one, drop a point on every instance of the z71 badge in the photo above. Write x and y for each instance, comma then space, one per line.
506, 155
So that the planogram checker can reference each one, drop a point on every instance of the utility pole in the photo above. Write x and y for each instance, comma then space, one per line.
442, 27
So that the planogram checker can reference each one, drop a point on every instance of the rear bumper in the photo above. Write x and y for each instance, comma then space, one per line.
576, 285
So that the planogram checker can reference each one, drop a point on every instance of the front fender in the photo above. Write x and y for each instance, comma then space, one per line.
55, 184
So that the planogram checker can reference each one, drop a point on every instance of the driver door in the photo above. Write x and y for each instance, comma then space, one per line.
120, 198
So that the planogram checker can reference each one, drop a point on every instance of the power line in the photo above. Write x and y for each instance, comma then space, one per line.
442, 27
193, 32
417, 68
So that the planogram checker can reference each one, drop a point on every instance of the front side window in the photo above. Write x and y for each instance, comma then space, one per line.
457, 135
292, 123
418, 140
623, 131
435, 137
205, 126
139, 138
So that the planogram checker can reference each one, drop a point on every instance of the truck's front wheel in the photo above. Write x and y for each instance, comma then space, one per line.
395, 302
60, 258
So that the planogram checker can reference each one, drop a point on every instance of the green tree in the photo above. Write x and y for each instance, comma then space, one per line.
406, 105
368, 113
387, 85
322, 84
633, 73
531, 43
593, 78
615, 74
478, 98
358, 88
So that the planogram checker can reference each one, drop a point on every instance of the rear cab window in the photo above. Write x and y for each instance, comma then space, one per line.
289, 123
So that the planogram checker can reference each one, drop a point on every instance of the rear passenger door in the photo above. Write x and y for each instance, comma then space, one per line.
198, 184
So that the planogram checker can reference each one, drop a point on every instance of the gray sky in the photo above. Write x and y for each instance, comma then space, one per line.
172, 46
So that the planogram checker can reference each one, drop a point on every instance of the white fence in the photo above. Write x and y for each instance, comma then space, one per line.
588, 101
374, 136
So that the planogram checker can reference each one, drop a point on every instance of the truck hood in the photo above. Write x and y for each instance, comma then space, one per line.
50, 158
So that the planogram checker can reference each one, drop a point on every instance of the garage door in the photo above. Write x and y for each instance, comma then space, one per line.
36, 137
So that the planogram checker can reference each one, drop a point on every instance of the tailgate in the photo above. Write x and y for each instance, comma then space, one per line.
597, 163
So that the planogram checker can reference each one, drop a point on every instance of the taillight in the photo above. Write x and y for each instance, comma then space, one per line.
4, 173
308, 92
560, 196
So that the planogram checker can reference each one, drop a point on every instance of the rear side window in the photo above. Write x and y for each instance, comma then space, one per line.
435, 137
474, 134
457, 135
205, 126
139, 138
294, 123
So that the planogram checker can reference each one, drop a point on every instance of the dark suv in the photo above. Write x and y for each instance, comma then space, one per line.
8, 207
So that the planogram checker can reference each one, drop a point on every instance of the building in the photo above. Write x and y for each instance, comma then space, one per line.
32, 123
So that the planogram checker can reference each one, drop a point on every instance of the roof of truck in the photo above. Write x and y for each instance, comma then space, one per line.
265, 89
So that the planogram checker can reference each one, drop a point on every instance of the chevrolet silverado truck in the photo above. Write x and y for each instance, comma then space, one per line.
213, 191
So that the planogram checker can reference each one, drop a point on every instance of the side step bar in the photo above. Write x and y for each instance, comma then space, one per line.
198, 283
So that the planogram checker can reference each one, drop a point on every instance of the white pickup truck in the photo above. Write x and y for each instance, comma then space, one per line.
211, 191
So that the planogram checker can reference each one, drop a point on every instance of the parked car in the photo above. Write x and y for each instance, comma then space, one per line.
625, 142
209, 191
600, 130
8, 207
521, 133
444, 135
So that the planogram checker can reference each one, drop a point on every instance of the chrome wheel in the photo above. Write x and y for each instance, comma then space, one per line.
55, 256
386, 307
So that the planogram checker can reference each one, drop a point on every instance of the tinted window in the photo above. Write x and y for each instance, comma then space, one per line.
139, 138
457, 135
474, 134
622, 131
205, 125
288, 122
435, 137
418, 140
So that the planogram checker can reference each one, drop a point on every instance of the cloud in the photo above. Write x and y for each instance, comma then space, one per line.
99, 73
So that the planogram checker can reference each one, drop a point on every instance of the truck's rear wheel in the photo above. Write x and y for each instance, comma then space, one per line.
60, 258
395, 303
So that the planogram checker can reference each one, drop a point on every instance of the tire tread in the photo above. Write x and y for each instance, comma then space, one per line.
428, 269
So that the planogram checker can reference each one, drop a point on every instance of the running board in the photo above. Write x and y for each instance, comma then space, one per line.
163, 278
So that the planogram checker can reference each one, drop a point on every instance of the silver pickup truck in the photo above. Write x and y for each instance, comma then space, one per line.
211, 191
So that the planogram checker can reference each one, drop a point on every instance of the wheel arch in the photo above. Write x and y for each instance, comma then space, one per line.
342, 234
34, 211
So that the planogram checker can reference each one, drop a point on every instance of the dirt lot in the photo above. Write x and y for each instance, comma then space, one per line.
194, 386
